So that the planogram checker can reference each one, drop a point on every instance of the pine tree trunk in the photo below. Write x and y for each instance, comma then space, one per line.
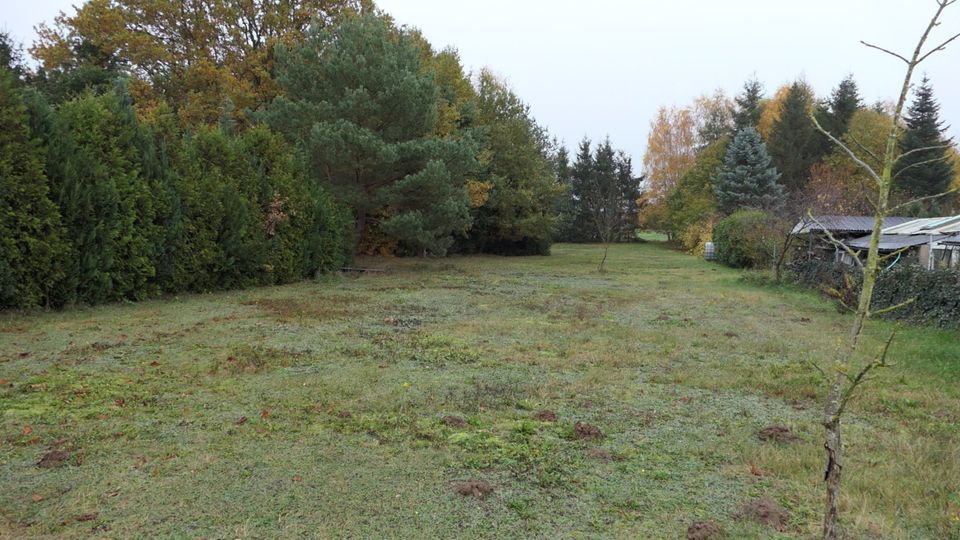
359, 229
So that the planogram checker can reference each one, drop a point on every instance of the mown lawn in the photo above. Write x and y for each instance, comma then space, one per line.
318, 409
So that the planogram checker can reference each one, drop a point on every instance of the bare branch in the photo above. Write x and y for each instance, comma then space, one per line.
893, 254
856, 159
882, 358
940, 47
891, 53
834, 241
924, 149
919, 164
922, 199
893, 308
856, 381
865, 149
818, 368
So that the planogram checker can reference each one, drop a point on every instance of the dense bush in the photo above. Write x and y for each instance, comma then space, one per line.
934, 291
746, 239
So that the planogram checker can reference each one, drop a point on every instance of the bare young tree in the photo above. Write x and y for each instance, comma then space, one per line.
850, 371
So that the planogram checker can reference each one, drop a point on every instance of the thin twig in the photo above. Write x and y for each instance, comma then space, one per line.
834, 241
940, 47
891, 53
924, 149
856, 159
865, 149
922, 199
893, 308
919, 164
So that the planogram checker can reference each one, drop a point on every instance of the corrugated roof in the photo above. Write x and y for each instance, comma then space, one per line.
893, 242
844, 224
926, 226
953, 240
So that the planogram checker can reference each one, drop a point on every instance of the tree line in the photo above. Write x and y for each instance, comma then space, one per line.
238, 144
765, 154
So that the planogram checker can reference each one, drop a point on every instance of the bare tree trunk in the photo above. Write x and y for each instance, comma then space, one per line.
778, 270
843, 386
606, 248
834, 448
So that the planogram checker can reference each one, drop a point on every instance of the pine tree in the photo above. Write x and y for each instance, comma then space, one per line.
30, 244
795, 143
747, 178
359, 103
749, 105
927, 172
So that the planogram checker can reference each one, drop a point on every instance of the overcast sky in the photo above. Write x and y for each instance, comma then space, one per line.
603, 67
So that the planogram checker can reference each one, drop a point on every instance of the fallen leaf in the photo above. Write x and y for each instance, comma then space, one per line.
27, 430
154, 363
3, 382
264, 414
242, 421
756, 471
297, 478
87, 517
24, 354
120, 402
36, 498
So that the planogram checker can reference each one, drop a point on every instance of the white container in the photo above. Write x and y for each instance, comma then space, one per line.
709, 252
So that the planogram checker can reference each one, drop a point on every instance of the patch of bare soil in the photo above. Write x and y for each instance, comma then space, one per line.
53, 458
765, 511
587, 432
454, 421
473, 488
778, 434
545, 415
801, 404
599, 454
704, 530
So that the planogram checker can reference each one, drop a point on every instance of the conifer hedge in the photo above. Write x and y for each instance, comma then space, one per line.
97, 206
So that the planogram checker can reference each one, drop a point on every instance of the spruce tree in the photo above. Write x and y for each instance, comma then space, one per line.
748, 105
844, 102
30, 244
795, 143
581, 182
927, 172
747, 178
628, 187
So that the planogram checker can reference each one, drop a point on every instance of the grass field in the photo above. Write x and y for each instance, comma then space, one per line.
327, 409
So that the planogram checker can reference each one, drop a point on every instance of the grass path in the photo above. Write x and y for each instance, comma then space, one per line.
318, 409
